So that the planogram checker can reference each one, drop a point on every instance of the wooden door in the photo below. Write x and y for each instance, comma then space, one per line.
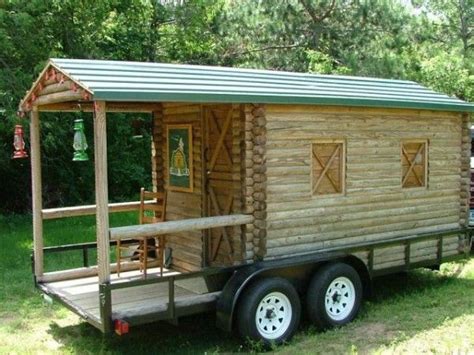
219, 183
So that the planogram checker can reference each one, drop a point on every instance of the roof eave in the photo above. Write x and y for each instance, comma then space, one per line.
285, 100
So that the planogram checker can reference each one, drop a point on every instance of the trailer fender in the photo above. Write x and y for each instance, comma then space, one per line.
230, 294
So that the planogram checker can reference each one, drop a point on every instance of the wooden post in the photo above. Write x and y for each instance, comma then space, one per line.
465, 170
101, 191
36, 191
157, 151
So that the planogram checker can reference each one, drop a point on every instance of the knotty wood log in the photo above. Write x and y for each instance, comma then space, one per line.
101, 191
72, 274
325, 232
58, 97
88, 210
57, 87
150, 230
365, 236
353, 111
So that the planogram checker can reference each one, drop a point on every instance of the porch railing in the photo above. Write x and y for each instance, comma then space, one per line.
89, 210
153, 229
137, 231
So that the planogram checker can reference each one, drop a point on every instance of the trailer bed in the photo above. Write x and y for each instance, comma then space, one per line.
135, 304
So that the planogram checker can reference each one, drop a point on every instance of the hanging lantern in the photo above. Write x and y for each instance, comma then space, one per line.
19, 143
80, 143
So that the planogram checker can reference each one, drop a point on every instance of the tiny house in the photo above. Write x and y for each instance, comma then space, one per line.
281, 192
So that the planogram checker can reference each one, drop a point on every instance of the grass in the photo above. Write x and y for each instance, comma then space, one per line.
422, 311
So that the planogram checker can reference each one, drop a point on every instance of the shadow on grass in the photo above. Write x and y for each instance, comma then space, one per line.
402, 304
194, 334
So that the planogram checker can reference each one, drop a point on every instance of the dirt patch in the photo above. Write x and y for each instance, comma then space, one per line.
7, 317
370, 330
367, 336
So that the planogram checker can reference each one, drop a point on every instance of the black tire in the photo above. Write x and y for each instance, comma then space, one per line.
336, 313
279, 329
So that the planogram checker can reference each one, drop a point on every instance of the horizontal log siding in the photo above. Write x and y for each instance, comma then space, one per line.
374, 207
187, 246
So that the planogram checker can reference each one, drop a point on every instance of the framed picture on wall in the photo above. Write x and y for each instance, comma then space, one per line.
179, 139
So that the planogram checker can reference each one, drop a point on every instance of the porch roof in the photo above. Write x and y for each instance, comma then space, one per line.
157, 82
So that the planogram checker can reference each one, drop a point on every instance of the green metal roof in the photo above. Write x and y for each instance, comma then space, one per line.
137, 81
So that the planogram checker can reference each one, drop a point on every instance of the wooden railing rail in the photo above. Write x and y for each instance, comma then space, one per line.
153, 229
88, 210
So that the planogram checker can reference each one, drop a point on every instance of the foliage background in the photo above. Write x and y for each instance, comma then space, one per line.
429, 41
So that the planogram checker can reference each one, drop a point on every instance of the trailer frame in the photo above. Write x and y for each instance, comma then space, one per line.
237, 278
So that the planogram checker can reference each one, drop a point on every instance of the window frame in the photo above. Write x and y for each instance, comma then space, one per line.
343, 162
426, 142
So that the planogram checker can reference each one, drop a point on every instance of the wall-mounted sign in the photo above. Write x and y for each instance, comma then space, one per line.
180, 157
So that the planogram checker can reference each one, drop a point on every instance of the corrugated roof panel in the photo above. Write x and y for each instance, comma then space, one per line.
136, 81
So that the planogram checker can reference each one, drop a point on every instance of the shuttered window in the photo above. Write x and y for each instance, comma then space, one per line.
328, 167
414, 156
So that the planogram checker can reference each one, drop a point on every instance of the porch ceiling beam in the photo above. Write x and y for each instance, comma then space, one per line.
76, 106
58, 97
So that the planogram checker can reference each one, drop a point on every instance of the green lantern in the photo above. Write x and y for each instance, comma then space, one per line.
80, 143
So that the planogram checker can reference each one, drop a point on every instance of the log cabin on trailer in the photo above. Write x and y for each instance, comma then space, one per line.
267, 187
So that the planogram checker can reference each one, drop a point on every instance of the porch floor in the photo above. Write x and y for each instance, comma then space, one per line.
133, 303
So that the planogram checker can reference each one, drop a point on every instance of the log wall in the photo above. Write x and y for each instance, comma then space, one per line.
187, 246
374, 206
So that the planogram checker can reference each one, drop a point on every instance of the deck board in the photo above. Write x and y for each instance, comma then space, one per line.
83, 295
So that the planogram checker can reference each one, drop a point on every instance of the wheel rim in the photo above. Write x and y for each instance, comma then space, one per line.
340, 298
273, 316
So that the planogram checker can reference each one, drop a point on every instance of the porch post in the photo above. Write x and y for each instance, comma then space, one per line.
101, 191
36, 191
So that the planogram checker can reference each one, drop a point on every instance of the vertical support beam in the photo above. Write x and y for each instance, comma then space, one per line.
204, 187
255, 192
36, 188
105, 302
407, 254
157, 151
370, 262
465, 170
101, 192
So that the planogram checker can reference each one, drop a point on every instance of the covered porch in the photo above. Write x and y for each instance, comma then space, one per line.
208, 225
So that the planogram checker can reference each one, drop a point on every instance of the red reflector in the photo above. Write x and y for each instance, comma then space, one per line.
121, 327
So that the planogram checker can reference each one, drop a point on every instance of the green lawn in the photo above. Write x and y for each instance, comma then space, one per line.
422, 311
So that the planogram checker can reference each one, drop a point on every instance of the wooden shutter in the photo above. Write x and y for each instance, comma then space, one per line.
414, 156
328, 167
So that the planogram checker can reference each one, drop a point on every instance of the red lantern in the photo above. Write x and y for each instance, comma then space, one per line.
19, 143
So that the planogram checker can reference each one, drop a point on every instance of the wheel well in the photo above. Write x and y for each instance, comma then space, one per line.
363, 272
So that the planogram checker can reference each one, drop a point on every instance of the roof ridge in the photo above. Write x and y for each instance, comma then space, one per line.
238, 69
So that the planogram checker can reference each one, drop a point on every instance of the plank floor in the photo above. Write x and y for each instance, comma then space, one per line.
82, 295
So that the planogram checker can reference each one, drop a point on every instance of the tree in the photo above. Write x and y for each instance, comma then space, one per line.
430, 41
